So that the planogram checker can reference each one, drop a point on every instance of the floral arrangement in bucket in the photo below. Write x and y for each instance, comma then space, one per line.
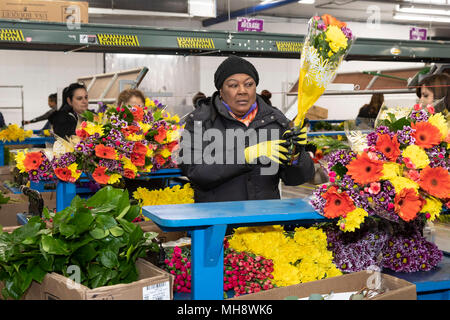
402, 175
121, 142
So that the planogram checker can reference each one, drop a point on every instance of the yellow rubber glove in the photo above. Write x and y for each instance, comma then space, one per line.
271, 149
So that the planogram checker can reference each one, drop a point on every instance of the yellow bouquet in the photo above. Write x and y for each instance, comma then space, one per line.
13, 133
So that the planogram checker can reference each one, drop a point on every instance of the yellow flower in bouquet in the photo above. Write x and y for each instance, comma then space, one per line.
336, 38
432, 206
353, 220
13, 133
417, 155
20, 157
74, 171
391, 170
93, 128
438, 120
401, 183
174, 195
115, 177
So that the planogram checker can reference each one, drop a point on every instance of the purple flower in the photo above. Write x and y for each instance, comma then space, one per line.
438, 158
339, 156
419, 115
404, 136
321, 26
347, 32
384, 130
372, 138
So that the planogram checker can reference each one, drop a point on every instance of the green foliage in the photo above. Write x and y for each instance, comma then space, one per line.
3, 199
97, 235
328, 144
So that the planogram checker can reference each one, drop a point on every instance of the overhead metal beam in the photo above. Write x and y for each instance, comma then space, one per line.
245, 12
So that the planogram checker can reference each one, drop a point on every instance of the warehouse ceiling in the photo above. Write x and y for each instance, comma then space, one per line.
436, 19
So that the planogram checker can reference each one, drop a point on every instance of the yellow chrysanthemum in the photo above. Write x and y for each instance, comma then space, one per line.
46, 133
353, 220
114, 178
145, 126
149, 103
174, 195
336, 38
175, 119
417, 155
20, 157
165, 153
92, 128
433, 206
74, 171
15, 133
127, 164
438, 120
401, 183
135, 137
391, 170
172, 135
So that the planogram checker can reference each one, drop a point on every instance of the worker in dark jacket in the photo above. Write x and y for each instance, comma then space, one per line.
230, 137
52, 103
75, 102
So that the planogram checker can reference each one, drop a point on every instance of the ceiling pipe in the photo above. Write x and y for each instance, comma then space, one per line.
245, 11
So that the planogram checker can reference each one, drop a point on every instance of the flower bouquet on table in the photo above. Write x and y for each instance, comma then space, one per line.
121, 142
402, 176
326, 44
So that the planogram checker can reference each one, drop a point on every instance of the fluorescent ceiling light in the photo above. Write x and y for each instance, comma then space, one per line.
428, 1
422, 10
105, 11
420, 18
307, 1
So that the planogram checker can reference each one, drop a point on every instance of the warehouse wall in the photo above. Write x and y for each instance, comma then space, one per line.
40, 73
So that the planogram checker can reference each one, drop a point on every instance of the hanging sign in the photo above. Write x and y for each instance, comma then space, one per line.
121, 40
11, 35
247, 24
417, 33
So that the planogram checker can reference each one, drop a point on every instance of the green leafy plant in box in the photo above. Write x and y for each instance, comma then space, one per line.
94, 235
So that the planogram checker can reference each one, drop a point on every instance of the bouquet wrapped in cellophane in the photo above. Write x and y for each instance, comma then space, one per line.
326, 44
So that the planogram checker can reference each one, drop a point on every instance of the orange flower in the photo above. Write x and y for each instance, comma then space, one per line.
138, 113
365, 170
100, 175
426, 134
128, 173
82, 133
329, 20
389, 147
408, 203
32, 160
161, 135
172, 146
138, 159
338, 203
435, 181
160, 159
140, 148
64, 174
104, 152
130, 130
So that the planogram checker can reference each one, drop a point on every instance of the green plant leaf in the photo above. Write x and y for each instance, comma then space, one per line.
116, 231
132, 213
135, 236
88, 115
82, 221
126, 225
98, 233
54, 246
105, 221
67, 230
85, 254
108, 259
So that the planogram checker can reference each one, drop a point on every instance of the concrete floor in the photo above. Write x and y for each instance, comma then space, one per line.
439, 233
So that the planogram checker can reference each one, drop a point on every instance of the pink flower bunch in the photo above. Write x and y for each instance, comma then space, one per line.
245, 272
180, 266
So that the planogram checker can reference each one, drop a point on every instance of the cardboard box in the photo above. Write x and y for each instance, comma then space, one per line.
5, 174
44, 10
397, 289
150, 226
317, 113
153, 284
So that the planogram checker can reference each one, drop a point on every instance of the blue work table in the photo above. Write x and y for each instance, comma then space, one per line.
208, 223
27, 141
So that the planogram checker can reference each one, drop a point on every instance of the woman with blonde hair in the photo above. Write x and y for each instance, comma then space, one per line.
131, 97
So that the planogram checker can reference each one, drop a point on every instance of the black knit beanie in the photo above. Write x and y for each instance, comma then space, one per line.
232, 65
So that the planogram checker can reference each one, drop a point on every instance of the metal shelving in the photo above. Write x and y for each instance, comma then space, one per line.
51, 36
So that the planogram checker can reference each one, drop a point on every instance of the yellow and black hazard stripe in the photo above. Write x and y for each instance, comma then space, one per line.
11, 35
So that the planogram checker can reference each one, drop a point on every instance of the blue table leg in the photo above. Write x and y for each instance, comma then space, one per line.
207, 263
2, 154
65, 192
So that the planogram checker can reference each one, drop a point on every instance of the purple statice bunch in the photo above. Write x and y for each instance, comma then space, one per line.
410, 253
356, 251
321, 26
317, 201
339, 156
347, 32
419, 115
405, 137
372, 138
359, 197
111, 165
382, 202
64, 161
101, 107
384, 130
438, 158
148, 117
83, 148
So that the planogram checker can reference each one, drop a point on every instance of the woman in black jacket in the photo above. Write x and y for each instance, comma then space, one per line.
230, 136
75, 102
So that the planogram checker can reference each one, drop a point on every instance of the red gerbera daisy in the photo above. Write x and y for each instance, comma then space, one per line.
172, 146
140, 148
160, 159
338, 203
389, 147
138, 113
64, 174
128, 173
365, 170
426, 134
100, 175
435, 181
162, 133
130, 130
105, 152
82, 133
408, 204
138, 159
33, 160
